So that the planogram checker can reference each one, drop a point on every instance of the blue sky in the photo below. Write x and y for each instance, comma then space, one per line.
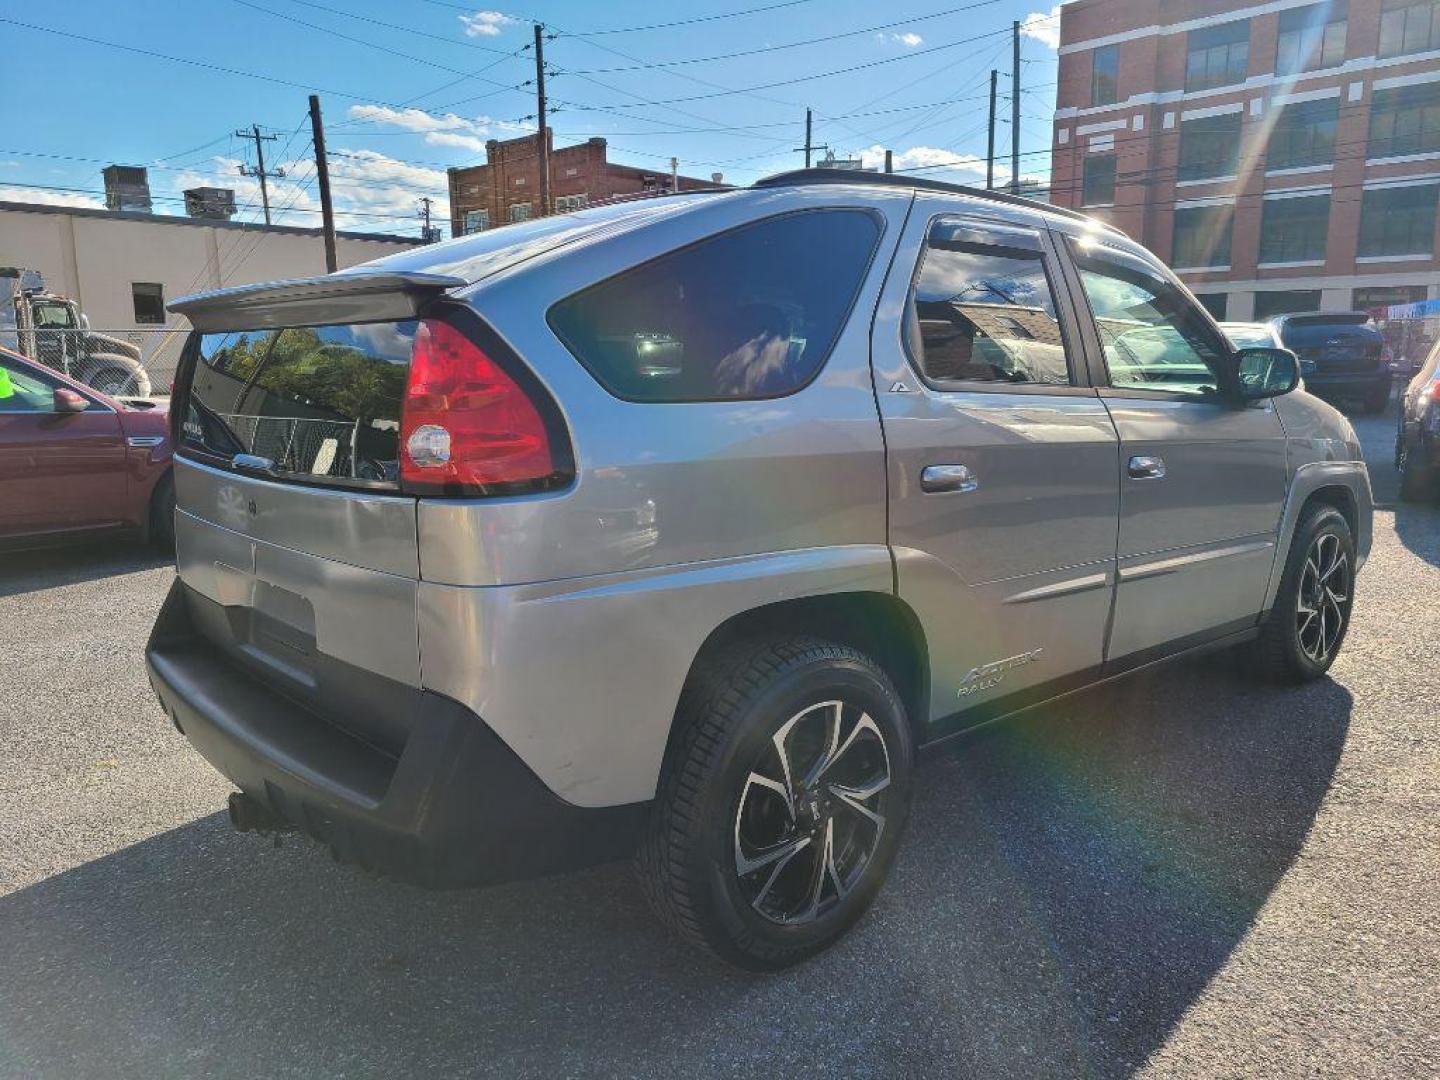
410, 88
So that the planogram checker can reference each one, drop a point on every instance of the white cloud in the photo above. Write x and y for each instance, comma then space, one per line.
450, 138
363, 182
909, 39
485, 23
411, 119
1043, 26
10, 193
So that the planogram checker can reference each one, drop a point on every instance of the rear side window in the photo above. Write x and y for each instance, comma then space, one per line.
321, 402
750, 313
982, 310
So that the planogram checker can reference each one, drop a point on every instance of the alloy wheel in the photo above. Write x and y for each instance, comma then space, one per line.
811, 812
1323, 602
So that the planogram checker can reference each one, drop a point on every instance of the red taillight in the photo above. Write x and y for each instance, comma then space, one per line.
465, 422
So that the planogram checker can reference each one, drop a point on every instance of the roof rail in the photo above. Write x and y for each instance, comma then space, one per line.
796, 177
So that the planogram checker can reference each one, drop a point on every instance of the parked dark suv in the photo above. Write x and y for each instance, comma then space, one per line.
1347, 352
680, 525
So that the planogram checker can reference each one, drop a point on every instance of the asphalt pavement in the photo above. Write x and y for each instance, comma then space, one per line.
1186, 874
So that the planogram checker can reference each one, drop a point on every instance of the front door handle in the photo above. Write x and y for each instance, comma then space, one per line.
948, 478
1144, 467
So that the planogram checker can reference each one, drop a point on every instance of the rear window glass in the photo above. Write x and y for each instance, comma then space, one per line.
321, 402
749, 313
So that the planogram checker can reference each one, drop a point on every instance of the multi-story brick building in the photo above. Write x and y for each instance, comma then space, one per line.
507, 187
1281, 155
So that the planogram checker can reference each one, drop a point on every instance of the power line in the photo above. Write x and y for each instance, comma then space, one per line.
404, 29
658, 26
787, 45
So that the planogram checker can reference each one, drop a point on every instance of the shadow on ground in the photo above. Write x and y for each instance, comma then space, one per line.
1070, 883
72, 564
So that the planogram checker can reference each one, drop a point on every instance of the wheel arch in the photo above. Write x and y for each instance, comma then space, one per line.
881, 625
1343, 485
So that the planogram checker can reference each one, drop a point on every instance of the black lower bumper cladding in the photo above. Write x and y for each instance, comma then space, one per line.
455, 808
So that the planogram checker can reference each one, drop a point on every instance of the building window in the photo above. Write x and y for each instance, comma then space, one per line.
1405, 120
1202, 236
1409, 26
1210, 146
1304, 134
149, 300
1217, 55
1104, 66
519, 181
476, 221
564, 204
520, 211
1294, 230
1215, 303
1311, 37
1398, 220
1376, 300
1099, 182
1285, 302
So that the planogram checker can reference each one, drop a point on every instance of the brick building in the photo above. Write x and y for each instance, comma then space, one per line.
507, 187
1282, 156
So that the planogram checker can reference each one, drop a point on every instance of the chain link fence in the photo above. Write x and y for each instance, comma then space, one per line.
128, 361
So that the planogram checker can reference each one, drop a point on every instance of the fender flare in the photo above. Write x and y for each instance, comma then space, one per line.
1308, 479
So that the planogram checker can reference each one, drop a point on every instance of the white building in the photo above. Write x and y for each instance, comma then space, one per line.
123, 268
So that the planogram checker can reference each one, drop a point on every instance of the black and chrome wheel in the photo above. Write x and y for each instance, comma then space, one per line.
1311, 614
812, 812
781, 803
1322, 603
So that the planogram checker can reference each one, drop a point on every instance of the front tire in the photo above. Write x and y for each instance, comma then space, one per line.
1311, 614
1416, 481
781, 803
162, 514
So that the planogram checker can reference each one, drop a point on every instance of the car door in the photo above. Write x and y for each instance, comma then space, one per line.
1202, 477
58, 471
1001, 461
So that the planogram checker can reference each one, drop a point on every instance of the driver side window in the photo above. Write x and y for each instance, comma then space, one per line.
1153, 336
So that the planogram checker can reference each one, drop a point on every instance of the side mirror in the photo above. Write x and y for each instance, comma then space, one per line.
1266, 372
68, 401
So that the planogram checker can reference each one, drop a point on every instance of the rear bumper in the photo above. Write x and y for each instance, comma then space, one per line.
455, 807
1346, 382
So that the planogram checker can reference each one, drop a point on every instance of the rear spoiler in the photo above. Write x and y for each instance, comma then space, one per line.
362, 296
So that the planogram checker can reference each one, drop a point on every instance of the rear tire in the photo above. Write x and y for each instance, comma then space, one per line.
1376, 401
1417, 482
781, 803
1311, 615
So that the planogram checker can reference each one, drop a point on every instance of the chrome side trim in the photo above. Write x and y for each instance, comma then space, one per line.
1180, 562
140, 442
1061, 588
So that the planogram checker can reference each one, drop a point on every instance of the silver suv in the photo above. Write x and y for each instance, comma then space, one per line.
676, 527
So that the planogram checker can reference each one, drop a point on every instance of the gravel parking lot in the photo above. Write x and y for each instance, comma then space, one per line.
1184, 875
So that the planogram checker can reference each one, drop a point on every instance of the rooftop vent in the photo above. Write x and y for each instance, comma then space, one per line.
217, 204
127, 188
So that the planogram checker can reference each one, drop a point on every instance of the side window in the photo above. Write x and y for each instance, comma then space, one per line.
982, 309
1154, 337
22, 392
749, 313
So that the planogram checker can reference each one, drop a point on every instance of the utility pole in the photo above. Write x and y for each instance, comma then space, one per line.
809, 144
259, 170
540, 115
674, 175
1015, 116
990, 151
322, 172
425, 216
889, 162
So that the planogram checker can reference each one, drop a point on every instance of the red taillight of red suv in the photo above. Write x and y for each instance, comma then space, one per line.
466, 425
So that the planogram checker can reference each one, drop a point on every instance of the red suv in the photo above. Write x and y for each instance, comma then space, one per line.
74, 461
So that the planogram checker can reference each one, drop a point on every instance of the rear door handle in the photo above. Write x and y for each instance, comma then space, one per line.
1144, 467
948, 478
